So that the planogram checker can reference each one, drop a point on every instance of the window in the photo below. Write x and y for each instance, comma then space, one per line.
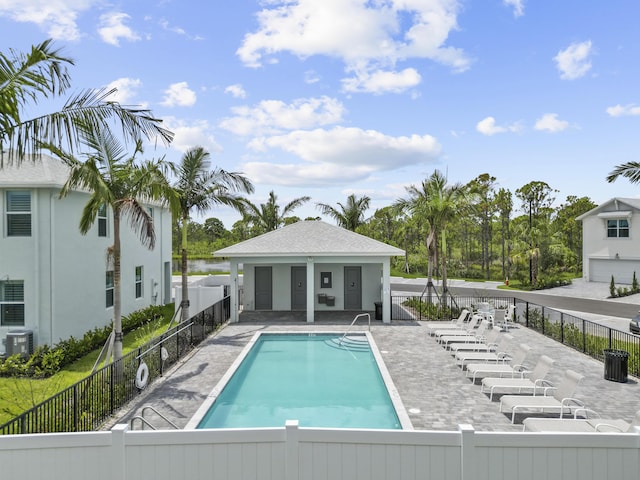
18, 213
102, 221
618, 228
11, 303
109, 291
138, 282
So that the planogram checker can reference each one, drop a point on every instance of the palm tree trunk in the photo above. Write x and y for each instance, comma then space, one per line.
444, 268
117, 289
431, 259
185, 281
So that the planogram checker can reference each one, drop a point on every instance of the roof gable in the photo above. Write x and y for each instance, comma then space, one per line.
613, 205
309, 237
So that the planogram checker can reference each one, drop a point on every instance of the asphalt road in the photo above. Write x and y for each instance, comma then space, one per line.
587, 305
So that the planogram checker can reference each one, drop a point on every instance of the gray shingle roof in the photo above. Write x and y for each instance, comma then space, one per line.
309, 237
34, 172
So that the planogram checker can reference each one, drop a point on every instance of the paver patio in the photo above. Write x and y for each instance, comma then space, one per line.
435, 392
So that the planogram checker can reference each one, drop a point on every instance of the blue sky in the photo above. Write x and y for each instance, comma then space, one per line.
331, 97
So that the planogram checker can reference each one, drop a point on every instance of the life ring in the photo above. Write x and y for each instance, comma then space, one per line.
164, 354
142, 376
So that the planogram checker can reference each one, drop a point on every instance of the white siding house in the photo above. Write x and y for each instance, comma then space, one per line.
311, 266
611, 241
55, 281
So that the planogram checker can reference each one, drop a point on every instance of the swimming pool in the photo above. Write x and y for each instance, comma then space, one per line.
315, 378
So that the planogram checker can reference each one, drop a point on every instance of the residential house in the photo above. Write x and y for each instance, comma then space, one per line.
311, 266
611, 241
56, 282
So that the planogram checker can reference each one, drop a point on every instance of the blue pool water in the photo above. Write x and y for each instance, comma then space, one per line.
309, 378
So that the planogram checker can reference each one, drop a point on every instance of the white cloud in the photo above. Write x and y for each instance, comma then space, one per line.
179, 94
383, 81
573, 62
275, 116
127, 88
624, 110
487, 126
236, 91
311, 77
353, 147
301, 175
384, 34
112, 28
56, 17
550, 123
518, 7
338, 156
165, 25
191, 134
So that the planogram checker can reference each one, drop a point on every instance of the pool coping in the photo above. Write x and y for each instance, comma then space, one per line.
394, 395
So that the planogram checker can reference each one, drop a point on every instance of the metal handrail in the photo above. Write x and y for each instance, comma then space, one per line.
145, 421
352, 323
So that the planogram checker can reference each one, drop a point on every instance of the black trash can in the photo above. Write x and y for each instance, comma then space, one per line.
378, 315
616, 364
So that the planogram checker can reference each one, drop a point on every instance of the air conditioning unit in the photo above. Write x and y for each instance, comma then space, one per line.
19, 342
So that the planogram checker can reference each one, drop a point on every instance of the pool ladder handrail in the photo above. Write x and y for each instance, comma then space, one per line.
144, 421
352, 323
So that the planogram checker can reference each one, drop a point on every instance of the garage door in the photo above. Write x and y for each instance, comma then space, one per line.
600, 270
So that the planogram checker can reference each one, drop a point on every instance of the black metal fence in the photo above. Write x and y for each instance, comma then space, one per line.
85, 405
583, 335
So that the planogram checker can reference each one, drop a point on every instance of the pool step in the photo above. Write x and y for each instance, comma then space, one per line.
351, 342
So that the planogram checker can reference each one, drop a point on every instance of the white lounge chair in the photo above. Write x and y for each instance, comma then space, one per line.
468, 329
457, 323
513, 368
561, 401
508, 319
592, 424
472, 335
484, 343
534, 382
500, 354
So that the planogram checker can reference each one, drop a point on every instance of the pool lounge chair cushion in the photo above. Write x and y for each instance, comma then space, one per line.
513, 367
561, 401
596, 424
534, 383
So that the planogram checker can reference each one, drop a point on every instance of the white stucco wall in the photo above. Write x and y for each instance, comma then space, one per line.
64, 271
281, 275
619, 255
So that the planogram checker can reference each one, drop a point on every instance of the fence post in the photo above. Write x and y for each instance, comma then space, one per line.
292, 450
527, 317
118, 457
584, 335
562, 328
467, 452
542, 310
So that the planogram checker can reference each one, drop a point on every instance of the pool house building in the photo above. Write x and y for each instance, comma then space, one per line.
311, 266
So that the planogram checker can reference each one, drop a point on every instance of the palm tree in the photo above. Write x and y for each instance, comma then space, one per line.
42, 74
198, 188
268, 217
629, 170
349, 216
118, 181
437, 203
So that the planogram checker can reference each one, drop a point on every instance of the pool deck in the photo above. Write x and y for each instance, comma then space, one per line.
435, 391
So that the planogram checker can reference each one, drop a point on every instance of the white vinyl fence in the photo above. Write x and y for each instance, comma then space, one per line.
293, 453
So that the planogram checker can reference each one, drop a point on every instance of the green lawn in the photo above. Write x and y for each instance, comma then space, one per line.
20, 394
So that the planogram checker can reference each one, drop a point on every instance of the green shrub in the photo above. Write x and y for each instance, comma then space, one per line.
612, 287
45, 360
